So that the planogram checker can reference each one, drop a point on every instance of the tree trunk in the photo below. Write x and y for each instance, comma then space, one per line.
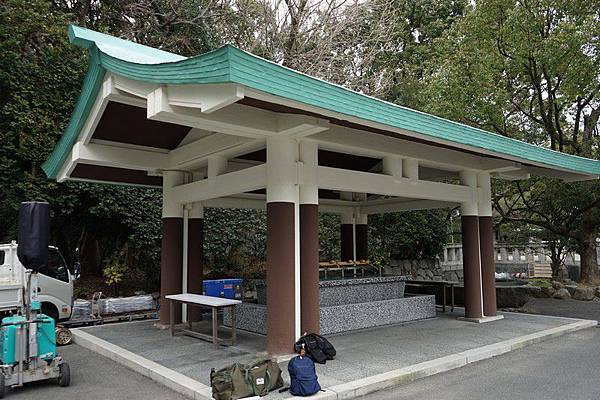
587, 251
89, 256
556, 258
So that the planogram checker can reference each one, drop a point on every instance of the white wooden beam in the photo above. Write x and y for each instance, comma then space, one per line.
196, 152
119, 157
236, 202
564, 175
393, 205
245, 180
299, 126
208, 97
512, 175
355, 141
489, 159
235, 119
367, 182
132, 87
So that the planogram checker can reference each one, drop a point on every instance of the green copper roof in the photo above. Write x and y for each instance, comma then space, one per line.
231, 65
119, 48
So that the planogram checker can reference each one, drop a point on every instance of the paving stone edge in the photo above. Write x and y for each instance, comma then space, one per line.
198, 391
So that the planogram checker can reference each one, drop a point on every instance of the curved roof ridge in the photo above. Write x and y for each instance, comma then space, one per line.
123, 49
399, 106
229, 64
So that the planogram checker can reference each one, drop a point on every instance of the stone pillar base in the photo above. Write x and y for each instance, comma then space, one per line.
482, 320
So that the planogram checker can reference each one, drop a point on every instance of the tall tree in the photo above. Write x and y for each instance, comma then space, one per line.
530, 70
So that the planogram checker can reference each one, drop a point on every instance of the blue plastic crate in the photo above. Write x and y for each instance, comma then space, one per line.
226, 288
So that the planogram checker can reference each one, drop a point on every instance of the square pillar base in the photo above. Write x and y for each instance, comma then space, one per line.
482, 320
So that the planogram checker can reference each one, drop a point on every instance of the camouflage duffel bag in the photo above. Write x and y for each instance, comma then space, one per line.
264, 375
236, 381
231, 383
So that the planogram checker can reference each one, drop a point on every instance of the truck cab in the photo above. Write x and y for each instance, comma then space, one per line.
55, 280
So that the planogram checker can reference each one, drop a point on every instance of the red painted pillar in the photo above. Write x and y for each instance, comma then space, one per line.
362, 237
280, 278
171, 255
171, 258
346, 242
283, 287
309, 268
486, 243
471, 266
471, 250
195, 262
488, 266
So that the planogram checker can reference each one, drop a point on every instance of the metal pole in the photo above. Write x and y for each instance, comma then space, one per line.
184, 267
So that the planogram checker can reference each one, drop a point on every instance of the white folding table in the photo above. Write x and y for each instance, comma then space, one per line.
197, 300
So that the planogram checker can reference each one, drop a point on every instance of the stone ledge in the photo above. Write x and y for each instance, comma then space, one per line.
344, 318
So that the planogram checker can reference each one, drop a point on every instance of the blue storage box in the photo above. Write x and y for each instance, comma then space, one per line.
226, 288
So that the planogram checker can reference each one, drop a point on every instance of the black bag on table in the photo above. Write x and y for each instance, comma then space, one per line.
317, 347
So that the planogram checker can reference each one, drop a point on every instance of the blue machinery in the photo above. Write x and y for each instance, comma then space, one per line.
27, 338
29, 345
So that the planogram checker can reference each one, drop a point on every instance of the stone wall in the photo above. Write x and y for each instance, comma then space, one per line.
343, 318
346, 305
425, 270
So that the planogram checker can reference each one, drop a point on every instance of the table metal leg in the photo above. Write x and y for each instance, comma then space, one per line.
233, 332
215, 326
172, 317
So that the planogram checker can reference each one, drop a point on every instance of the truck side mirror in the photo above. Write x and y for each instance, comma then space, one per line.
76, 270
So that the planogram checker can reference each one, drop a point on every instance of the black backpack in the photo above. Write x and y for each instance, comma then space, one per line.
317, 347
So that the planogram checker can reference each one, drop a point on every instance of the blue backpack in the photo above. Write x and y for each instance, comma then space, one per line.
303, 377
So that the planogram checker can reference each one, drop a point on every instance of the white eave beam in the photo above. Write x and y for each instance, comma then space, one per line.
228, 184
367, 182
207, 98
394, 205
235, 119
196, 152
355, 141
563, 175
118, 157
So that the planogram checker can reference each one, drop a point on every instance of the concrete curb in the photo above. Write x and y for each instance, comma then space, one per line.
158, 373
198, 391
389, 379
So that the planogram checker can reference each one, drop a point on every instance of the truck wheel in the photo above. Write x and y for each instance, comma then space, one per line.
65, 374
2, 385
50, 310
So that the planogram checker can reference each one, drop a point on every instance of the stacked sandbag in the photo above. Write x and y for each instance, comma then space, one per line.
82, 309
120, 305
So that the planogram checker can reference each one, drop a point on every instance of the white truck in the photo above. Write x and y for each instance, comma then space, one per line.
55, 282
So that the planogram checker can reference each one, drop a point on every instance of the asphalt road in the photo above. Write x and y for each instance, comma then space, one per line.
561, 368
94, 377
566, 367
